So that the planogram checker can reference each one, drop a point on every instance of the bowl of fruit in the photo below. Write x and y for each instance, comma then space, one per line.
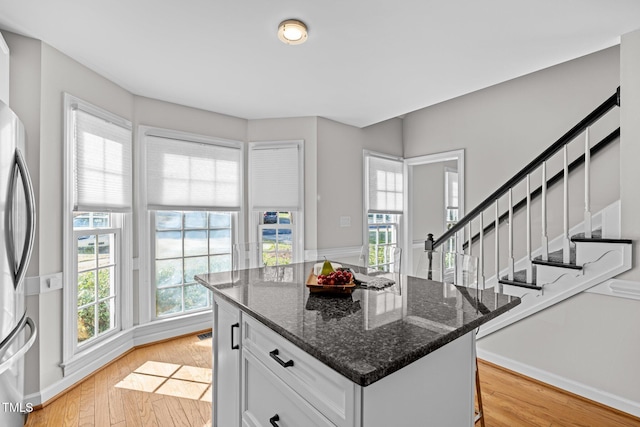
338, 281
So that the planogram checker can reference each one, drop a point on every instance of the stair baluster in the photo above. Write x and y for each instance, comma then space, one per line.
587, 185
511, 270
481, 253
529, 270
544, 242
566, 250
497, 235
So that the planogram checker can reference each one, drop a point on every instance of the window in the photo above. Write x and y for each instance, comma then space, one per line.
98, 189
98, 267
384, 207
193, 197
383, 237
188, 243
276, 200
451, 210
276, 237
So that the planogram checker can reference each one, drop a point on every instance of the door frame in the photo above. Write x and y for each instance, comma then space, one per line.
409, 164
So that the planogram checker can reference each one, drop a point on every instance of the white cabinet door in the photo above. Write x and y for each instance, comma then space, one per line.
268, 402
226, 365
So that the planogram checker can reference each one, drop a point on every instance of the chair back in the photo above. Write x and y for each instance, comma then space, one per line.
363, 259
448, 267
246, 255
396, 257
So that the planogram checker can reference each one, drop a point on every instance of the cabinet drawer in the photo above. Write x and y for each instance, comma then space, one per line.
328, 391
267, 401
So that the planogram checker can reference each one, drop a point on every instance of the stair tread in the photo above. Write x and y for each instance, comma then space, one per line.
596, 237
595, 234
520, 279
556, 259
519, 284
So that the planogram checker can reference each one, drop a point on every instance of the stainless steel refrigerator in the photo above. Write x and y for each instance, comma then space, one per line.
17, 227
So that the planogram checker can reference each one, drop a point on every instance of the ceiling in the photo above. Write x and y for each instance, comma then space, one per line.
365, 61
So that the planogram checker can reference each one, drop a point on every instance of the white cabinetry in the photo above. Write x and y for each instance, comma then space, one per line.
4, 71
268, 401
226, 364
270, 382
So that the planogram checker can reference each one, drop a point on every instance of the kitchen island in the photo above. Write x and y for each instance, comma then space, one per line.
400, 356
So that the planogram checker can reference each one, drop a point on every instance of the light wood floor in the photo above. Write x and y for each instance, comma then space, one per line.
165, 385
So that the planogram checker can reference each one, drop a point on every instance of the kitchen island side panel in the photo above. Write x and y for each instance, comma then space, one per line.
435, 391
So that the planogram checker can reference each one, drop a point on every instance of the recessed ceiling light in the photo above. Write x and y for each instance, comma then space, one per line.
292, 31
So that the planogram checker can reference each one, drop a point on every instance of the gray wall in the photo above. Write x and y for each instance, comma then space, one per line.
340, 173
502, 128
505, 126
629, 145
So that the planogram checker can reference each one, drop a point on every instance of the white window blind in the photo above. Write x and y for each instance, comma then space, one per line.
102, 164
385, 181
192, 175
452, 189
275, 178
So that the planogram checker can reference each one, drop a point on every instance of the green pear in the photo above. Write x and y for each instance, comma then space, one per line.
327, 268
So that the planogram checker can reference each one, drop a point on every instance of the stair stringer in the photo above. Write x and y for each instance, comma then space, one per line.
615, 260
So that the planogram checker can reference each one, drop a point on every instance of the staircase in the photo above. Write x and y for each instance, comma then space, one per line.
582, 256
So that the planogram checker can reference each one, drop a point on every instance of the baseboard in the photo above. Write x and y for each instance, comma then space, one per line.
600, 396
90, 362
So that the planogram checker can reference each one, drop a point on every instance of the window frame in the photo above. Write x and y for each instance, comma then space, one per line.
146, 229
121, 221
277, 226
400, 216
384, 265
96, 231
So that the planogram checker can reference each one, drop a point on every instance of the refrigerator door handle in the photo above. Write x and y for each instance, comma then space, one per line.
27, 345
31, 217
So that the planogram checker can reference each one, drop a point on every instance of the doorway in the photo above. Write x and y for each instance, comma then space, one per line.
434, 200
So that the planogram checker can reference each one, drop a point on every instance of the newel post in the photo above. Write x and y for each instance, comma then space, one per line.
429, 247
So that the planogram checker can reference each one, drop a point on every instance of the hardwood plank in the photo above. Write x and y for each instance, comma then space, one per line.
102, 417
131, 410
87, 402
145, 408
56, 411
37, 418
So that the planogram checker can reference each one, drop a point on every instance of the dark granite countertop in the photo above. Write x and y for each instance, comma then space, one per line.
364, 336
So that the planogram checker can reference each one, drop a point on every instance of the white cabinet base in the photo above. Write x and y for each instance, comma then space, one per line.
250, 388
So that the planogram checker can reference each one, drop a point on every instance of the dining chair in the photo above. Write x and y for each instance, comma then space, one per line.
246, 255
396, 260
363, 259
